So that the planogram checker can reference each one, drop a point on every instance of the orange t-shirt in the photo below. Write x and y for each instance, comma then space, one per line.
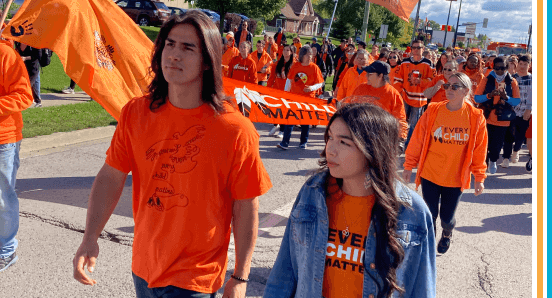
493, 120
448, 147
441, 94
272, 50
344, 268
265, 60
188, 167
277, 80
298, 46
302, 76
243, 36
15, 93
386, 97
227, 57
243, 69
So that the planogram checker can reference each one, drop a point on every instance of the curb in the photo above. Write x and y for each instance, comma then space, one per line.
63, 139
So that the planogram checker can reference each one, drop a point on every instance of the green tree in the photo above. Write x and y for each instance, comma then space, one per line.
265, 9
434, 25
340, 30
13, 7
351, 12
460, 44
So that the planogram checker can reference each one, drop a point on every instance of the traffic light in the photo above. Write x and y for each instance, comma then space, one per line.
444, 27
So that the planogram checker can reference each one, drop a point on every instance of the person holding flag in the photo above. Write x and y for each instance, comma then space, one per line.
230, 51
304, 78
15, 96
243, 67
196, 173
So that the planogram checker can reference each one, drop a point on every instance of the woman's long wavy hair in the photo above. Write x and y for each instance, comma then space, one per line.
282, 62
440, 65
376, 133
211, 48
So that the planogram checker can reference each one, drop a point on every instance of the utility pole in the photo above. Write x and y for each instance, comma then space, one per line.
457, 23
365, 21
446, 28
416, 21
529, 41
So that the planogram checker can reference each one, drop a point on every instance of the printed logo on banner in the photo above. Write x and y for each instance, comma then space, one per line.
23, 29
103, 52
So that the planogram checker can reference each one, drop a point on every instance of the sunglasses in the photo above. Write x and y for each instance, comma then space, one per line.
454, 87
393, 57
448, 69
500, 68
417, 48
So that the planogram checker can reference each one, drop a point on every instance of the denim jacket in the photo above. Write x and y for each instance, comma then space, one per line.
299, 268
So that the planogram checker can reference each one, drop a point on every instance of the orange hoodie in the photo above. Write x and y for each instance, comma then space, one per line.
350, 82
15, 93
264, 61
477, 145
227, 57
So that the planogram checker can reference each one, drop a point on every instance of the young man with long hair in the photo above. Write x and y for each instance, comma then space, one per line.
355, 230
195, 168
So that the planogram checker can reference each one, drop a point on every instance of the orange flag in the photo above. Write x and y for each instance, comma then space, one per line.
402, 8
100, 47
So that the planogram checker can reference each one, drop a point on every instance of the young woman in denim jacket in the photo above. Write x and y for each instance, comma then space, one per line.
324, 253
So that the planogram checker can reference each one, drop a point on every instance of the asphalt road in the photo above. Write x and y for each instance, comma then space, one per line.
490, 255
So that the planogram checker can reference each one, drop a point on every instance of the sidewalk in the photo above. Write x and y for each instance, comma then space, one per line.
57, 99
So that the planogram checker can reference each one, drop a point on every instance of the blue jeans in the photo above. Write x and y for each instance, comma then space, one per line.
35, 85
142, 291
413, 114
9, 204
287, 134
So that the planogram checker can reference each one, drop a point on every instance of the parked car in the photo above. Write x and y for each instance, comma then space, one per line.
432, 46
145, 12
178, 11
215, 17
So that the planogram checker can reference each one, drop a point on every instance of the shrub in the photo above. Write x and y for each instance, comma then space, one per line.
290, 36
260, 28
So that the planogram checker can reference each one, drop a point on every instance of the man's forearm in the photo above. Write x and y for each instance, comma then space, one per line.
105, 194
246, 225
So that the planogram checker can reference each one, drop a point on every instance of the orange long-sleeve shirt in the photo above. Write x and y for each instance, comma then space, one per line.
386, 97
276, 81
227, 57
260, 63
15, 93
414, 94
350, 82
243, 69
474, 163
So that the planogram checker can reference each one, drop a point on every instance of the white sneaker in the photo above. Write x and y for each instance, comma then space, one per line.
515, 157
492, 167
273, 130
37, 105
68, 91
280, 135
505, 163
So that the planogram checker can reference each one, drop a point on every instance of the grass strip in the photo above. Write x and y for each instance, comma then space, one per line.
46, 121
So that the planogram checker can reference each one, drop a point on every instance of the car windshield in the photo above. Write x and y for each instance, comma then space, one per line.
161, 5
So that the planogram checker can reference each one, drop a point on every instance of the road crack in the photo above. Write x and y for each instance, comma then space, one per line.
119, 239
484, 276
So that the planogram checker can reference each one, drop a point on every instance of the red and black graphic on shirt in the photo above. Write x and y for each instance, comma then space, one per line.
345, 252
174, 156
451, 135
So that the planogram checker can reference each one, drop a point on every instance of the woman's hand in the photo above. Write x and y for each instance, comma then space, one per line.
406, 175
527, 115
479, 187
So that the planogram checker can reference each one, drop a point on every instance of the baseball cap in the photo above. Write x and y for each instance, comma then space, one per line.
229, 34
378, 67
314, 39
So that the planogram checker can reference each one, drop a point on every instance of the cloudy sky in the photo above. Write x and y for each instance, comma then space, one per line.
509, 20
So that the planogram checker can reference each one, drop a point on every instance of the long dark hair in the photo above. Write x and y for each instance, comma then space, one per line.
376, 133
211, 47
440, 65
282, 64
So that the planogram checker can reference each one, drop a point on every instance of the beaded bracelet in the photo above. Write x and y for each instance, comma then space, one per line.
239, 278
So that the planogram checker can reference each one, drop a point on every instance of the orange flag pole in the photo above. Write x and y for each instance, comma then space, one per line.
5, 12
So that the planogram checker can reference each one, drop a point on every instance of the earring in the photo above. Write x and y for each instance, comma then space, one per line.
367, 181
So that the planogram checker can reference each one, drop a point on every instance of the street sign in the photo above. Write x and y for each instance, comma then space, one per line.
470, 30
445, 28
383, 31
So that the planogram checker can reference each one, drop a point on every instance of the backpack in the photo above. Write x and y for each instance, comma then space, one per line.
45, 57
